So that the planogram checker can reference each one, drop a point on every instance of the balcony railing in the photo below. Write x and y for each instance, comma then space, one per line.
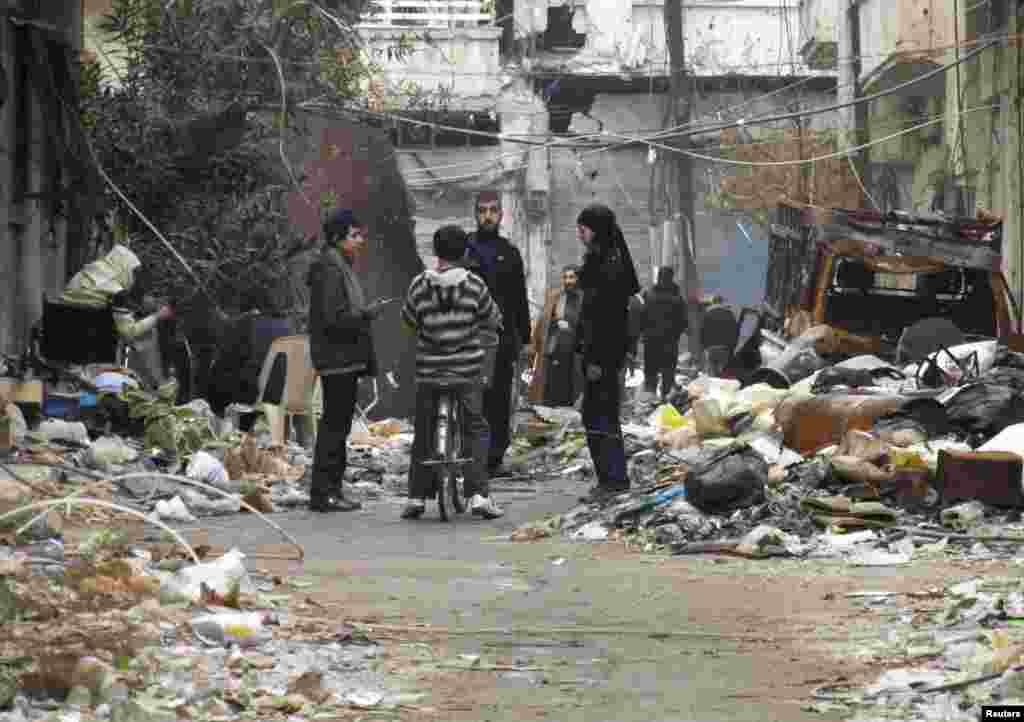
428, 14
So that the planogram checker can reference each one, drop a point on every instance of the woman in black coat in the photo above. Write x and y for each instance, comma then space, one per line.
608, 280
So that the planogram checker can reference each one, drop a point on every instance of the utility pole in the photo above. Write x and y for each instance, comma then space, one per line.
679, 169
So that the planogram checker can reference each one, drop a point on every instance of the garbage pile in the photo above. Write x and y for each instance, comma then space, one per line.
949, 652
99, 619
860, 460
111, 631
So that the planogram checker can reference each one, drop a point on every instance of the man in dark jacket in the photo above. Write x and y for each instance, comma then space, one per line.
500, 264
341, 347
665, 321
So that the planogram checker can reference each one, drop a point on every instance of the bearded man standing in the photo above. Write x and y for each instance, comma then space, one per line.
493, 257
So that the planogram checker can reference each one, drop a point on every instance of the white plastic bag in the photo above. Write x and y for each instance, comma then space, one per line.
1009, 439
246, 629
57, 430
174, 510
709, 385
220, 575
771, 449
986, 351
592, 531
207, 468
110, 451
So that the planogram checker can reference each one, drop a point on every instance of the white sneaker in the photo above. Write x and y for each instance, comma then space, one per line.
414, 509
485, 507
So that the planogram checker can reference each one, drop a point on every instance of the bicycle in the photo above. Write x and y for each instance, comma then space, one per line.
447, 460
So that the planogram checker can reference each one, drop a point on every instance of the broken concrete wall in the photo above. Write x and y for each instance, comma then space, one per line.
459, 66
729, 262
753, 37
526, 199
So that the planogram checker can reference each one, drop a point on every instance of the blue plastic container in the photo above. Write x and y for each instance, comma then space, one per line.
61, 406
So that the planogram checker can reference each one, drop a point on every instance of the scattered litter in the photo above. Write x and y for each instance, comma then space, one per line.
594, 531
174, 510
223, 575
207, 468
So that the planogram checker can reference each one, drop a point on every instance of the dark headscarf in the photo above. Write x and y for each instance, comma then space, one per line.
611, 246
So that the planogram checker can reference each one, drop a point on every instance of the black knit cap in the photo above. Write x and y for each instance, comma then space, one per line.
339, 222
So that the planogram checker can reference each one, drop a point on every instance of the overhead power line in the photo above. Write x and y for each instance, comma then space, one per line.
748, 164
897, 120
691, 130
764, 119
817, 159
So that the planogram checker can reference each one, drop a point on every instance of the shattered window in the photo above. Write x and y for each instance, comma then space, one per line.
852, 275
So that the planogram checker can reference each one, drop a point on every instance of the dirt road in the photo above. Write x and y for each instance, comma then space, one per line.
564, 631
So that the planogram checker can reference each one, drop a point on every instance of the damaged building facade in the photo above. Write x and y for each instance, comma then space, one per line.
557, 81
956, 67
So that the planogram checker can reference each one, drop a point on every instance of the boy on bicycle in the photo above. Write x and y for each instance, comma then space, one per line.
451, 311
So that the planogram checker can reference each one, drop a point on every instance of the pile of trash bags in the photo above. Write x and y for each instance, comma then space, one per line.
860, 446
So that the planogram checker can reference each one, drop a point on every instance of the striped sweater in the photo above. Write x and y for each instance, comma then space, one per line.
451, 311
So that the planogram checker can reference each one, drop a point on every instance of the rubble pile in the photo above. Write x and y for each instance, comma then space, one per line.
762, 471
102, 620
949, 651
127, 634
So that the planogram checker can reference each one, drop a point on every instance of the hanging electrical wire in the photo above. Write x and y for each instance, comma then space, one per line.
749, 164
775, 118
817, 159
690, 130
878, 123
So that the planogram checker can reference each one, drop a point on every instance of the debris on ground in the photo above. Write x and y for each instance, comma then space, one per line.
855, 461
96, 622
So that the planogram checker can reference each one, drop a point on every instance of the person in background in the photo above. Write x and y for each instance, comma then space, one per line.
665, 323
557, 378
342, 352
450, 310
111, 281
608, 279
499, 263
234, 375
636, 319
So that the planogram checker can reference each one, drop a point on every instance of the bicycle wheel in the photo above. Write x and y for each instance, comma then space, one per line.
445, 473
456, 470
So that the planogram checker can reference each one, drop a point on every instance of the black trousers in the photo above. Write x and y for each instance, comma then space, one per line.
660, 359
474, 442
331, 456
600, 413
498, 404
